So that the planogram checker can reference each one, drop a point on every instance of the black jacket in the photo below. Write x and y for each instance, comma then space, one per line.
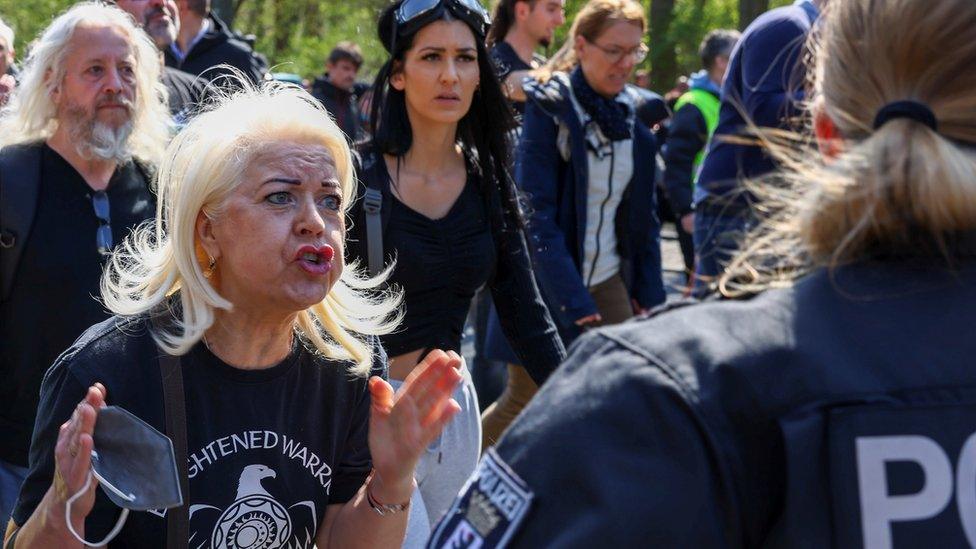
796, 419
342, 104
219, 46
185, 92
687, 136
524, 316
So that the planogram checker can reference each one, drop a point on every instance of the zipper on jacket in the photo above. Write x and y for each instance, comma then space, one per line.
599, 225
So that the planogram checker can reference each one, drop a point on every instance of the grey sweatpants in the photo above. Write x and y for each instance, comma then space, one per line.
446, 465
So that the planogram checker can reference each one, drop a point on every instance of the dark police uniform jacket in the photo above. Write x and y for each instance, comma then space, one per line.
838, 413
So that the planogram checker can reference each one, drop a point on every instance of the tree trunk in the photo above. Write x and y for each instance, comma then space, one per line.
749, 10
664, 59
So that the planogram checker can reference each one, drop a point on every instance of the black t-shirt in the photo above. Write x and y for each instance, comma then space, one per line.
272, 446
53, 297
440, 264
506, 61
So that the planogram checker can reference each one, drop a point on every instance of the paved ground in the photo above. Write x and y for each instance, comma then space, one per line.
674, 267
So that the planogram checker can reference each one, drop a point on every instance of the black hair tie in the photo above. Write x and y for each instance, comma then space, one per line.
914, 110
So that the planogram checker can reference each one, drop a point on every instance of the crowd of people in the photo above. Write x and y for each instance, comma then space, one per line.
234, 307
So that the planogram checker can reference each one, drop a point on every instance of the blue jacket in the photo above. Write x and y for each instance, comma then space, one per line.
764, 84
557, 190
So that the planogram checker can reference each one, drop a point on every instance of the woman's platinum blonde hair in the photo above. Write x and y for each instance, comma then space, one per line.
201, 168
900, 188
31, 115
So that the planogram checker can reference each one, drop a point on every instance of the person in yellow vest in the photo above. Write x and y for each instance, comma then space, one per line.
694, 121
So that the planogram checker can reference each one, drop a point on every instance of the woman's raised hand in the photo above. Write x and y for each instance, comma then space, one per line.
401, 426
72, 454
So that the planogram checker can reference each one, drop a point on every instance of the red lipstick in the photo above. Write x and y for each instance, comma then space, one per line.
315, 260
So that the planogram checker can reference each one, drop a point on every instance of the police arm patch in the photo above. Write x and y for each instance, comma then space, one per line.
488, 510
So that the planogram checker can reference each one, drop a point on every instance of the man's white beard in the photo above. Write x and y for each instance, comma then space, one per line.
110, 143
95, 139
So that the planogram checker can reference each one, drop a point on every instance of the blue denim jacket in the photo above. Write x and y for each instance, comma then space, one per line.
557, 191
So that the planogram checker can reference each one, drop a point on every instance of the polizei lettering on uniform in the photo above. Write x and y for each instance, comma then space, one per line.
488, 511
500, 494
260, 440
880, 508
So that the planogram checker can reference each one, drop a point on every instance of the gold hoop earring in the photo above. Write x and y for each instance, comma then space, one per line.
211, 267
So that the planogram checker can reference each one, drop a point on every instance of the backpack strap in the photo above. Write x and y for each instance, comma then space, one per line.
373, 206
174, 403
20, 182
148, 173
367, 165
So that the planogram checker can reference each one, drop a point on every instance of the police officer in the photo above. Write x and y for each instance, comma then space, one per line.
838, 410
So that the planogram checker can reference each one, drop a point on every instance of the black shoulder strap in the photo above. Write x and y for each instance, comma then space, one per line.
177, 518
148, 173
373, 208
372, 205
20, 175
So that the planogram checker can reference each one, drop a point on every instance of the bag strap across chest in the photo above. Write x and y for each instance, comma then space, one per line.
174, 405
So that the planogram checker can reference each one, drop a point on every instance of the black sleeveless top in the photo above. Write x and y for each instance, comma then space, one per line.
440, 264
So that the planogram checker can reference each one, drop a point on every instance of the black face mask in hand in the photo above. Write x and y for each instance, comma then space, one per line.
134, 465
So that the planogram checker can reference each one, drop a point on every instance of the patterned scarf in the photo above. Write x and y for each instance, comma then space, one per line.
610, 115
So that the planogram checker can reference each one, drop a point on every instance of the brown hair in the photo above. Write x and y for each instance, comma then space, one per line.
346, 51
595, 17
902, 187
502, 20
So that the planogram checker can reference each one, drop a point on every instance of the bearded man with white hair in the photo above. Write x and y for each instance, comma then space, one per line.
78, 138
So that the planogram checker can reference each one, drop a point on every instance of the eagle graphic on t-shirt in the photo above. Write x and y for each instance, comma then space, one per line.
255, 520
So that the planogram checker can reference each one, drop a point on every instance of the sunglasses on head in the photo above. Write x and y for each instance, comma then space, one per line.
413, 14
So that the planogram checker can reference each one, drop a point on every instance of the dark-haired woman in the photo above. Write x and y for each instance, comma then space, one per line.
447, 214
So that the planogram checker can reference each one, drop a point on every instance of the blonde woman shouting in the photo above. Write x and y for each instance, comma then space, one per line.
293, 437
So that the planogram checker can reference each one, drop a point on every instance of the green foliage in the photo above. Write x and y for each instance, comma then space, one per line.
693, 19
297, 35
28, 18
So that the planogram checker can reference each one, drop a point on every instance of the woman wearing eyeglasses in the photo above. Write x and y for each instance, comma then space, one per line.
443, 207
588, 170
